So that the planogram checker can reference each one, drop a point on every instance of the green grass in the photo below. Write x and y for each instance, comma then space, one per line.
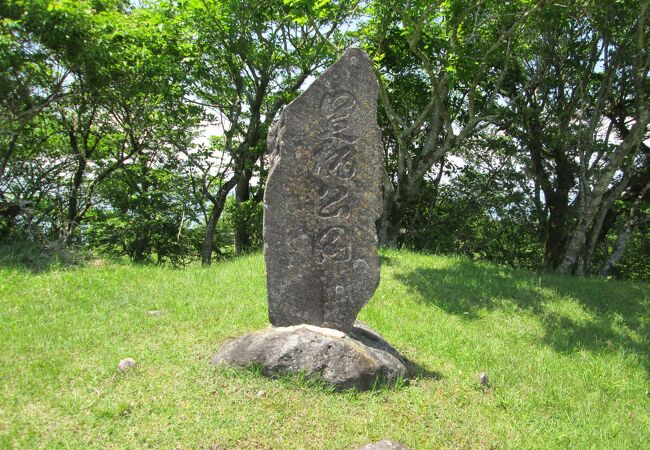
568, 360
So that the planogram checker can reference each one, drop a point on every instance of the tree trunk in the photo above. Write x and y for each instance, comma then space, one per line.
388, 228
389, 222
556, 193
556, 232
624, 235
4, 160
73, 219
622, 240
594, 198
218, 203
555, 183
139, 248
600, 227
208, 237
75, 187
242, 194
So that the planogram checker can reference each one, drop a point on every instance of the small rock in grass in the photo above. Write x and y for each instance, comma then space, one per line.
126, 364
386, 444
484, 380
157, 313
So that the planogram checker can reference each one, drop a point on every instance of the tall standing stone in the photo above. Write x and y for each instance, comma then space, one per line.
322, 198
321, 202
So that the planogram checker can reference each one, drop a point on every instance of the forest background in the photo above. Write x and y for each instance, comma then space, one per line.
513, 131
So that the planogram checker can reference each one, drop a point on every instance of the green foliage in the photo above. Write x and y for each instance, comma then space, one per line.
636, 262
474, 217
119, 99
246, 216
519, 106
148, 213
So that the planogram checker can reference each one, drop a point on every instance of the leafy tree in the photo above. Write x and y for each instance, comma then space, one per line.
146, 212
248, 60
30, 81
478, 206
121, 99
441, 66
513, 131
583, 70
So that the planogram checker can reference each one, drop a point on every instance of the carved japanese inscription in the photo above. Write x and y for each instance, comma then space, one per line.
322, 199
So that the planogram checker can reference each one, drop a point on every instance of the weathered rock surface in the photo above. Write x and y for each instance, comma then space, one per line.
385, 444
322, 199
126, 364
354, 360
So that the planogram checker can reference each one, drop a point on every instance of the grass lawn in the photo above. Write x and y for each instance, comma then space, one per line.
568, 360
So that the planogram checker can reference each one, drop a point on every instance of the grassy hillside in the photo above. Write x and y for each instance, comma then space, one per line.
568, 360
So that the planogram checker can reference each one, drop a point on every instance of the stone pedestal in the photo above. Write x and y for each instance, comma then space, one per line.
358, 359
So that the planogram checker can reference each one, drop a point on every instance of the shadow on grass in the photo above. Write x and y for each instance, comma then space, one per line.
316, 383
607, 316
419, 372
385, 260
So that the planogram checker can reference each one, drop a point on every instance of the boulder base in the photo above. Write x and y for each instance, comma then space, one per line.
357, 359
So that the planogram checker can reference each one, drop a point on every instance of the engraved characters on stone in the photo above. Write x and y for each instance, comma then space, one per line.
333, 170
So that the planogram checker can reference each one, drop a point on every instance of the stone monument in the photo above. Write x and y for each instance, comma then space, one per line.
322, 198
